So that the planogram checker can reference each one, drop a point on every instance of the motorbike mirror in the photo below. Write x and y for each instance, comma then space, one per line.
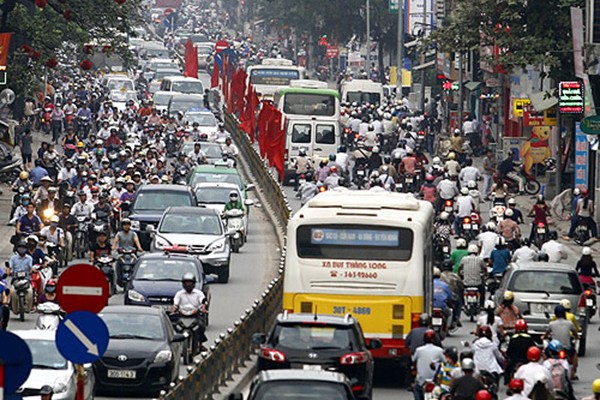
249, 202
598, 366
236, 396
178, 337
150, 228
231, 232
7, 97
250, 186
375, 344
259, 338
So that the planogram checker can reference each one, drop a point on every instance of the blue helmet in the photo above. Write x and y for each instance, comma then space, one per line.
554, 347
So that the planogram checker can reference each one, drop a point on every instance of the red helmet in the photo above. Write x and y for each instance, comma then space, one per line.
521, 326
534, 354
333, 169
584, 191
483, 395
516, 385
485, 331
429, 336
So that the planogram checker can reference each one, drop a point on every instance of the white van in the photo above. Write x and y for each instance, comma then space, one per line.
318, 136
362, 91
182, 84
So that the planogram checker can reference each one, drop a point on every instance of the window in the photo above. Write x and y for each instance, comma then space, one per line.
325, 134
165, 270
134, 326
196, 224
363, 97
188, 87
295, 390
275, 76
213, 195
217, 178
309, 104
45, 355
155, 200
545, 282
301, 133
308, 336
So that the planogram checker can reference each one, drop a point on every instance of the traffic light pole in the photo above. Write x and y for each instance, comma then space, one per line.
400, 49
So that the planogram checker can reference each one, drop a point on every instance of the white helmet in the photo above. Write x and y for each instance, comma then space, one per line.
437, 160
437, 272
444, 216
375, 149
488, 304
512, 201
566, 303
409, 150
472, 184
464, 191
586, 251
491, 226
508, 212
576, 191
461, 242
473, 249
456, 131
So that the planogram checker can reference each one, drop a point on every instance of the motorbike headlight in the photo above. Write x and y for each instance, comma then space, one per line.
135, 296
163, 356
135, 225
60, 385
219, 245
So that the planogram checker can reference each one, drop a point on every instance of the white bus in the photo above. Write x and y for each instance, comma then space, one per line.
362, 91
273, 73
307, 98
367, 253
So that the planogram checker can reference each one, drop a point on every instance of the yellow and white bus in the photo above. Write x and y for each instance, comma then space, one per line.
272, 74
367, 253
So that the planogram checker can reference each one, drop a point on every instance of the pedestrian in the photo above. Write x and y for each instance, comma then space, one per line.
489, 169
26, 148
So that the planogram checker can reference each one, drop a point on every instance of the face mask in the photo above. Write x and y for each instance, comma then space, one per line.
31, 246
21, 251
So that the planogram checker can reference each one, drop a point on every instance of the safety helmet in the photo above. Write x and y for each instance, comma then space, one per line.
50, 286
188, 277
429, 178
451, 156
80, 145
24, 175
436, 272
456, 131
508, 212
483, 395
46, 179
424, 319
484, 330
32, 237
554, 347
534, 354
125, 221
444, 215
586, 251
461, 243
473, 249
451, 352
516, 385
508, 295
376, 149
491, 226
472, 184
55, 219
464, 191
233, 193
467, 364
521, 326
596, 386
120, 180
409, 150
429, 336
332, 157
512, 202
489, 304
566, 303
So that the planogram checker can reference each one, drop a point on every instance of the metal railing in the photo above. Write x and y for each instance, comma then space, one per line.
233, 349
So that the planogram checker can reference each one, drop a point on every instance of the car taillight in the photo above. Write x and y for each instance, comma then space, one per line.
354, 358
582, 302
358, 388
272, 355
428, 387
415, 320
587, 292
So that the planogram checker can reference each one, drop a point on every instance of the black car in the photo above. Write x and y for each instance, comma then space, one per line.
157, 277
150, 203
143, 354
320, 342
298, 384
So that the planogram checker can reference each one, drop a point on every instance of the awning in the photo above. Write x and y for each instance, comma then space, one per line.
541, 101
426, 65
473, 85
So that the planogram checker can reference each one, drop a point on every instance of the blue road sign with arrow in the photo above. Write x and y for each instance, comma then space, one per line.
82, 337
16, 357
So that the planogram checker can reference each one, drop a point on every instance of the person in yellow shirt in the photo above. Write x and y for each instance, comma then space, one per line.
566, 303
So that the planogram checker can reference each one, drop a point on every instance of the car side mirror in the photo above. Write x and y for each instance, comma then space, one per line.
230, 232
235, 396
259, 339
178, 337
375, 344
250, 186
249, 202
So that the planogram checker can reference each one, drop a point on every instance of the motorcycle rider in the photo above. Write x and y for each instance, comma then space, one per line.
426, 359
555, 250
540, 211
333, 180
443, 297
558, 366
486, 355
507, 169
21, 262
103, 211
37, 173
584, 212
99, 247
500, 257
42, 191
457, 286
191, 296
129, 194
416, 336
67, 172
564, 331
53, 233
428, 190
516, 388
22, 182
517, 214
516, 352
49, 295
117, 191
197, 156
464, 207
452, 166
508, 311
126, 239
68, 224
533, 371
38, 256
307, 189
234, 202
473, 271
466, 386
525, 252
586, 268
447, 190
29, 223
490, 319
469, 173
509, 229
486, 240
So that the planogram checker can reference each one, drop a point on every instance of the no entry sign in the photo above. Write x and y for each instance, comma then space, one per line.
82, 287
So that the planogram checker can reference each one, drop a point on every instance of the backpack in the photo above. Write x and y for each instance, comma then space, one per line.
558, 373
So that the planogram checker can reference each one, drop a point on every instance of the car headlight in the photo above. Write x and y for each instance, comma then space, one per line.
135, 225
218, 245
163, 356
135, 296
60, 385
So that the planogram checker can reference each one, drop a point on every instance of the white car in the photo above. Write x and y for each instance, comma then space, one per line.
119, 98
50, 368
215, 194
161, 100
207, 122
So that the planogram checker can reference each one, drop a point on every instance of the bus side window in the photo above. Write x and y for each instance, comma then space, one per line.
325, 134
301, 133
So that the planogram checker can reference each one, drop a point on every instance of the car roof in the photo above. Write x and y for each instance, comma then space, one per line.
200, 112
161, 256
298, 374
191, 210
36, 334
187, 97
164, 188
541, 267
131, 310
219, 169
162, 60
315, 318
204, 185
182, 78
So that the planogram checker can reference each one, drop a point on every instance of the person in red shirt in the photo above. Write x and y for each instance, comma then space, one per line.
113, 139
428, 190
540, 213
409, 162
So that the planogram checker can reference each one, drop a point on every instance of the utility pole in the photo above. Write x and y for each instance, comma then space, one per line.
400, 49
460, 91
368, 68
425, 25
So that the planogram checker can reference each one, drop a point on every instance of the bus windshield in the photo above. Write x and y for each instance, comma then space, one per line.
309, 104
273, 76
354, 242
364, 97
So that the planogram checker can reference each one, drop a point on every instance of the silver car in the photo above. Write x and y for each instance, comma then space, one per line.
538, 287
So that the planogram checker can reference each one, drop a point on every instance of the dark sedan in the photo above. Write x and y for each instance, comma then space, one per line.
157, 278
143, 352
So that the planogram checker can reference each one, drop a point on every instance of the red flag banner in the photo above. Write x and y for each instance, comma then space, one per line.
253, 105
191, 60
214, 76
4, 45
241, 90
276, 143
263, 123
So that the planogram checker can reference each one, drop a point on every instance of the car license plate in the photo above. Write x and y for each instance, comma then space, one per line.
449, 209
543, 308
541, 230
589, 302
475, 227
360, 173
309, 367
121, 374
409, 180
445, 249
436, 321
471, 299
466, 226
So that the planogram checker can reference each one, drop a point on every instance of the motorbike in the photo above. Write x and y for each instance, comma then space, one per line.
172, 143
81, 239
582, 233
188, 323
360, 177
69, 119
125, 263
83, 126
497, 213
470, 227
180, 176
10, 169
16, 201
590, 291
409, 184
471, 301
105, 264
532, 186
540, 234
235, 222
21, 284
49, 316
493, 283
56, 257
442, 324
441, 248
448, 206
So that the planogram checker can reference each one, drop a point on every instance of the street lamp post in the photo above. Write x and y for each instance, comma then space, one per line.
400, 49
368, 69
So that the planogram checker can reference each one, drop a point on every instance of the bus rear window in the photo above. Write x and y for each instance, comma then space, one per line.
309, 104
354, 242
364, 97
276, 77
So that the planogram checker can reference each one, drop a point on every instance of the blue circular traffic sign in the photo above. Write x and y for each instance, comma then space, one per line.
16, 358
82, 337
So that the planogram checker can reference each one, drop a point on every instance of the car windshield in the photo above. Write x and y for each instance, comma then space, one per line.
312, 336
207, 119
198, 224
205, 50
203, 177
128, 325
213, 195
301, 390
540, 281
120, 84
162, 65
184, 105
161, 73
162, 99
164, 270
121, 96
188, 87
212, 150
45, 355
160, 200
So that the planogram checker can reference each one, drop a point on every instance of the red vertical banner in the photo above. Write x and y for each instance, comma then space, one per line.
4, 45
225, 79
214, 76
276, 142
263, 124
191, 60
241, 90
253, 105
